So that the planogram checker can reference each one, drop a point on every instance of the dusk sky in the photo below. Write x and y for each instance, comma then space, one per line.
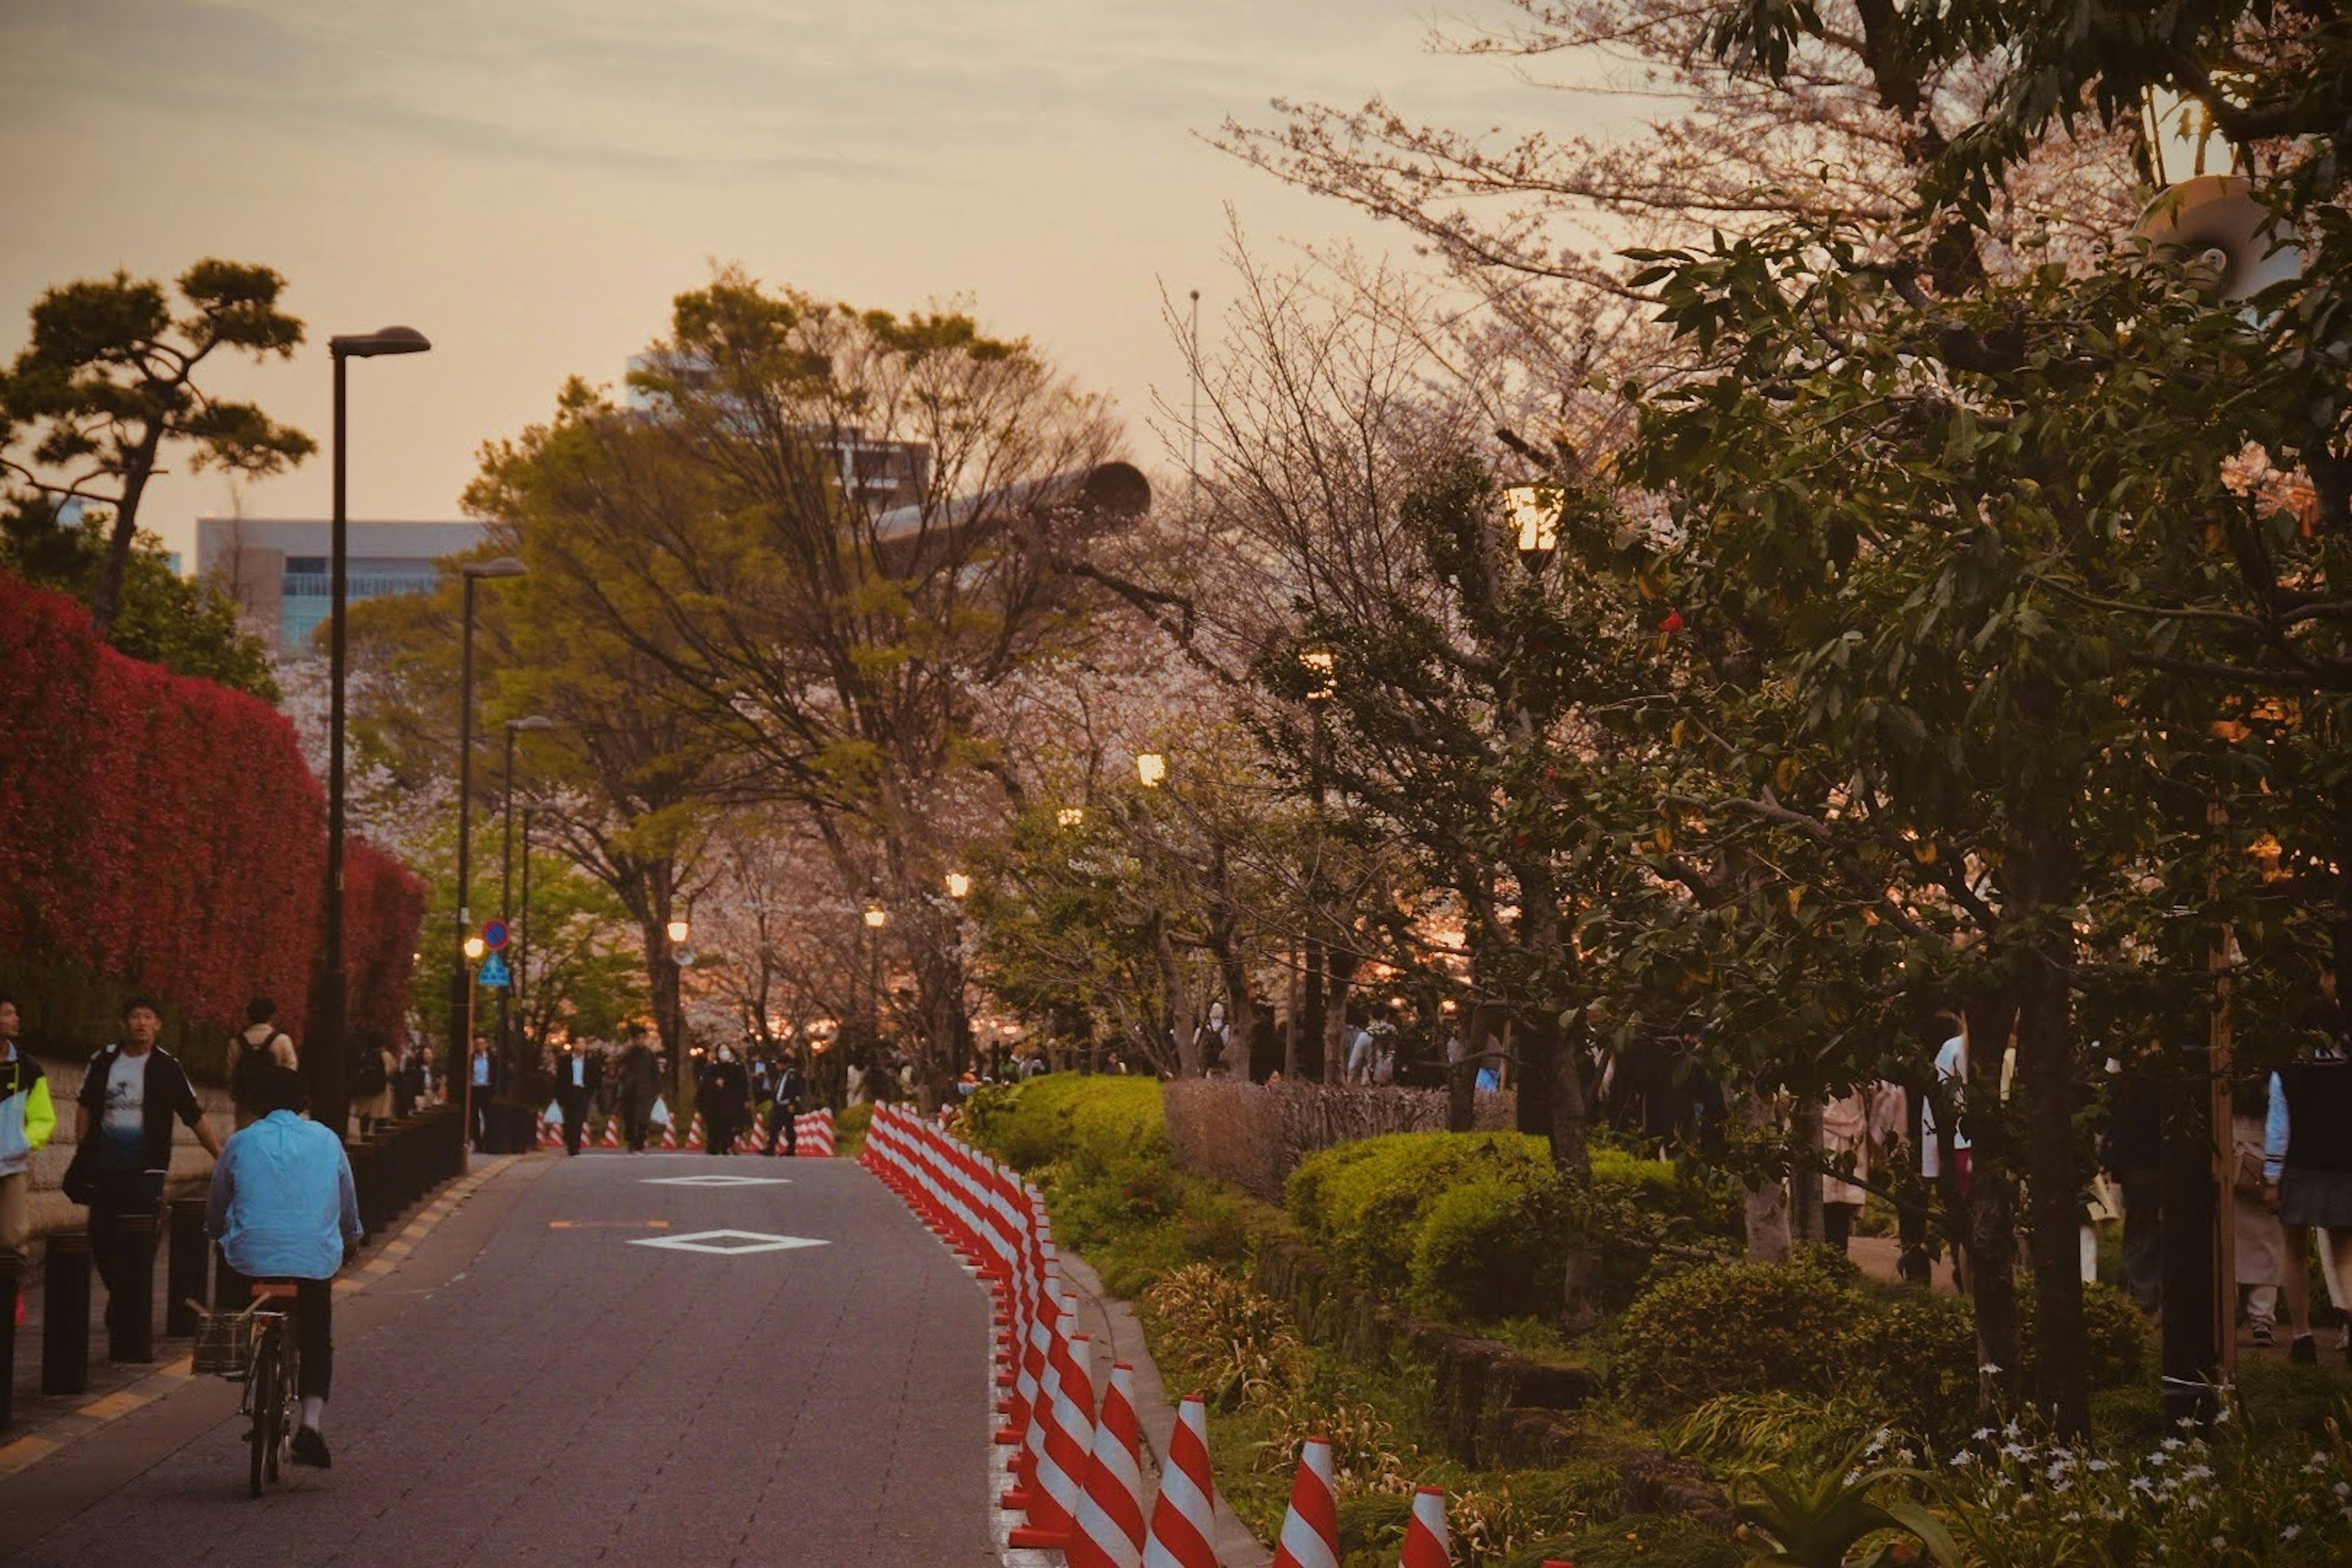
529, 182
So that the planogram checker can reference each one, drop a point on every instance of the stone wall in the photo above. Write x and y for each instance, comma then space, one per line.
1252, 1135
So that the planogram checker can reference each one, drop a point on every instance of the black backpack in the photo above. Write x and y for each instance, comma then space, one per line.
367, 1072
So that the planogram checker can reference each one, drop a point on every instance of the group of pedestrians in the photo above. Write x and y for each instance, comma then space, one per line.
281, 1201
728, 1090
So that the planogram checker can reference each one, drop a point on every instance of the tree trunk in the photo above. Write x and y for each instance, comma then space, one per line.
1766, 1206
1991, 1208
1805, 1184
105, 599
1310, 1028
2045, 1074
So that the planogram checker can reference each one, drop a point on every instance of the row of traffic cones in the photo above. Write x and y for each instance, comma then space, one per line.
1077, 1466
814, 1130
1077, 1470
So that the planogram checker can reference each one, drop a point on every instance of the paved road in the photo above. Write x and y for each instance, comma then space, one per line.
531, 1386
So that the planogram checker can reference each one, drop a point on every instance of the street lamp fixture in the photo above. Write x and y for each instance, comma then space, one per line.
1533, 512
958, 886
474, 948
877, 917
330, 1060
679, 930
1151, 769
1322, 679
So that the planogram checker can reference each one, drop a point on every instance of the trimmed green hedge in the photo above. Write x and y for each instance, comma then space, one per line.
1097, 1147
1472, 1227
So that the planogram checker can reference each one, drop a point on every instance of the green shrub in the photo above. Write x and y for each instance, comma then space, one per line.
1487, 1249
1214, 1334
849, 1130
1369, 1520
2114, 1335
1636, 1540
1734, 1327
1913, 1353
1364, 1200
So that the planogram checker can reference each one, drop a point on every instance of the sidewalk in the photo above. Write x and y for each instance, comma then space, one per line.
45, 1422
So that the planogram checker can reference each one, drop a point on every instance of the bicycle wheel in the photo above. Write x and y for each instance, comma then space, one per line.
269, 1410
290, 1403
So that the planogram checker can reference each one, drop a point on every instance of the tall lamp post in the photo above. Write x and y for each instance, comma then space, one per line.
330, 1060
959, 889
877, 917
461, 979
1322, 686
522, 929
533, 725
680, 933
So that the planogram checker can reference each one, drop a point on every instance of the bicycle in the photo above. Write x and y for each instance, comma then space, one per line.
258, 1348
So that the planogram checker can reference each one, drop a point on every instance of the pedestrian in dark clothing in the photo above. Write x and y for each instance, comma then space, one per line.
131, 1095
784, 1118
2132, 1153
726, 1095
578, 1076
639, 1087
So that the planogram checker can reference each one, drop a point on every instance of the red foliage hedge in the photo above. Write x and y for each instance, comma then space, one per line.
165, 834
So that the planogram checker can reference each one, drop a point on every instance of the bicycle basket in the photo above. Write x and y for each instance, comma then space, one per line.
225, 1342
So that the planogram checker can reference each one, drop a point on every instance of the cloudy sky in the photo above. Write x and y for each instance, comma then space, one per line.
529, 182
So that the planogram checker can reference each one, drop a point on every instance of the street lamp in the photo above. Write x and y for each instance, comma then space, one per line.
522, 930
1532, 512
1322, 686
535, 724
1151, 769
329, 1063
461, 999
958, 886
877, 917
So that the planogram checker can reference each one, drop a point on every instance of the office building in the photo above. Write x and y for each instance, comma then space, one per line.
278, 570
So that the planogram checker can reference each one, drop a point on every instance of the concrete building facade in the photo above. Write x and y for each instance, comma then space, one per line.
278, 569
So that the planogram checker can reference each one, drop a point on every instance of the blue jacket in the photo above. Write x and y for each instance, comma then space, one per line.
282, 1203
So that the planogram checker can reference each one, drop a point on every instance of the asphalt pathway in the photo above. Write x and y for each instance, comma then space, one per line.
535, 1385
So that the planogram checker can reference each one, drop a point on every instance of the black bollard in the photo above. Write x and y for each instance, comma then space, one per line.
131, 1313
65, 1307
232, 1291
10, 1264
184, 1281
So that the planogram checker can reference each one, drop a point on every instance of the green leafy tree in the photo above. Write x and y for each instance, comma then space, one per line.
109, 382
187, 627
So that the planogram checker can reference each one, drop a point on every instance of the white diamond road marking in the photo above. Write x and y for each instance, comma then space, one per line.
715, 1181
728, 1242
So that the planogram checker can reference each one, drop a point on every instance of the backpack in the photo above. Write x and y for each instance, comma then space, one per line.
367, 1073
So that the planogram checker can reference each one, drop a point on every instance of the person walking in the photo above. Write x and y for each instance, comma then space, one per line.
283, 1206
482, 1075
2132, 1154
725, 1095
408, 1081
2261, 1239
783, 1121
2307, 1174
261, 1041
579, 1074
131, 1095
1845, 1130
372, 1071
28, 1116
639, 1087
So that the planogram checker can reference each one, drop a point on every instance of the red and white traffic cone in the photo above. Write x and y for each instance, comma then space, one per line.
694, 1139
1069, 1435
612, 1133
669, 1135
1425, 1543
1184, 1520
1310, 1530
1110, 1528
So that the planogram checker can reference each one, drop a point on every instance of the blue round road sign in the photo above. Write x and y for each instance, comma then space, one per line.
494, 934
